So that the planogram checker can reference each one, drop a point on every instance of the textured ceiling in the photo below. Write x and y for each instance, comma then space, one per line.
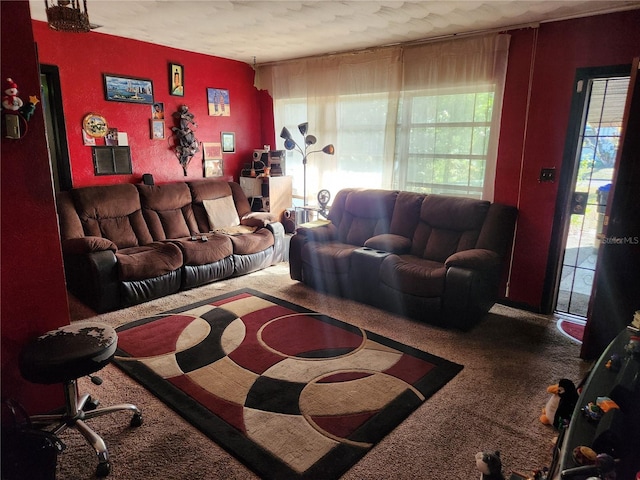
272, 30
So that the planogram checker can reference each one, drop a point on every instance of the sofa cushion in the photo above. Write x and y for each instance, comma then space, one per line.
148, 261
209, 189
197, 252
112, 212
221, 212
414, 276
167, 210
249, 243
367, 213
447, 225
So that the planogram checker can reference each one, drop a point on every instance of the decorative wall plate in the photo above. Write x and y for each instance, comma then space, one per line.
95, 125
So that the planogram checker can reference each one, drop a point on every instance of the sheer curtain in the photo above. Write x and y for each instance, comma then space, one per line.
421, 118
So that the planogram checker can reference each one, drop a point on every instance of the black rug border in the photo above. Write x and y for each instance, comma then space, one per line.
249, 453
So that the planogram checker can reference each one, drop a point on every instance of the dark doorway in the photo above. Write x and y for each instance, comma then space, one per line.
55, 127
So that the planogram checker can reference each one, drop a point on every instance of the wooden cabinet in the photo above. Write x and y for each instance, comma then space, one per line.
270, 194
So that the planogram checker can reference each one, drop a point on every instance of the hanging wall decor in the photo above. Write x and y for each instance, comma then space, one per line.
118, 88
218, 102
186, 144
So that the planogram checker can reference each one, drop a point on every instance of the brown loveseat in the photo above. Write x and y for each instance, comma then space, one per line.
431, 257
127, 244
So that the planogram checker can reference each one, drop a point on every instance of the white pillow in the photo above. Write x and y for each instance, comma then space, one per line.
221, 212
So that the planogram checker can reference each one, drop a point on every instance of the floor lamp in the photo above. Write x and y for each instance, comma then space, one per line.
309, 140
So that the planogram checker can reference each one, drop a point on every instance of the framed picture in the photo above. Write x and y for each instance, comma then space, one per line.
228, 140
111, 138
213, 168
212, 151
212, 163
127, 89
218, 102
157, 129
176, 80
157, 111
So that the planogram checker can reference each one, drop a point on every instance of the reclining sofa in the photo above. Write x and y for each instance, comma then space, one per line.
126, 244
435, 258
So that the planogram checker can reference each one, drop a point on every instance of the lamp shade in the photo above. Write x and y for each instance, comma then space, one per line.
285, 133
329, 149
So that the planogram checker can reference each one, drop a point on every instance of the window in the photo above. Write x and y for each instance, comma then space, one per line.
446, 144
441, 143
422, 118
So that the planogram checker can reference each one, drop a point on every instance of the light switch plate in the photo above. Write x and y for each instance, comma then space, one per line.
13, 125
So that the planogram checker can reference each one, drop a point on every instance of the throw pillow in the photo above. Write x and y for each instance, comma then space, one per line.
221, 212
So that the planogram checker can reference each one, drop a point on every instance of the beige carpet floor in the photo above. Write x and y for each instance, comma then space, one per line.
493, 404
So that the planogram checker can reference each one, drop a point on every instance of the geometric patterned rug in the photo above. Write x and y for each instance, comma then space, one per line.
290, 392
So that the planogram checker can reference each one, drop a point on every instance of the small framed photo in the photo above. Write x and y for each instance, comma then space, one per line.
213, 168
157, 111
176, 80
127, 89
157, 129
211, 151
111, 138
228, 140
218, 102
212, 162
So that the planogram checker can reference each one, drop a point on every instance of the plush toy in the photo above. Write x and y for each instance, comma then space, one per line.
560, 406
490, 465
10, 99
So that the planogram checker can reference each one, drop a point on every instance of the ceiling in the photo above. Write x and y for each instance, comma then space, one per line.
264, 31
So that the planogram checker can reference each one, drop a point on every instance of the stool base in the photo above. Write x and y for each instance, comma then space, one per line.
77, 410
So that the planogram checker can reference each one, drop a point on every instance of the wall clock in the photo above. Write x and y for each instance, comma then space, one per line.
95, 125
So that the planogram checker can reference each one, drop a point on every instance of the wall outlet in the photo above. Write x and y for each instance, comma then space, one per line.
547, 175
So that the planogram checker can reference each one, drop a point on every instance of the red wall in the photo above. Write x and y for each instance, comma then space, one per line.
34, 298
83, 58
533, 139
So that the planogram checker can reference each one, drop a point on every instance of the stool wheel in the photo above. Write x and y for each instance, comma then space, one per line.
136, 420
103, 469
91, 404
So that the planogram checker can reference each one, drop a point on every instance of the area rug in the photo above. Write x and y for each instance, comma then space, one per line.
290, 392
572, 328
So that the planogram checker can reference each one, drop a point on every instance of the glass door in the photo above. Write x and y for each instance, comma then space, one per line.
596, 149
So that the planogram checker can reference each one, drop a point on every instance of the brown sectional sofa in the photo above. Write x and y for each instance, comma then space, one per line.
435, 258
126, 244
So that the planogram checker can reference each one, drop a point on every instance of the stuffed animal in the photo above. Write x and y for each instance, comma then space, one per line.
561, 404
490, 465
10, 99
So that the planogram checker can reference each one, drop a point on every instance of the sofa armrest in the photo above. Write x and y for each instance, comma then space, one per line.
474, 259
84, 245
389, 242
258, 219
321, 233
93, 278
277, 229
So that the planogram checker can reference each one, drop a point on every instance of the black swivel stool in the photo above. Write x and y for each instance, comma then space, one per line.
63, 356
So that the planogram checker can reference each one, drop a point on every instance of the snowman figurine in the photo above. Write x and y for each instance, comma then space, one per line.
10, 99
